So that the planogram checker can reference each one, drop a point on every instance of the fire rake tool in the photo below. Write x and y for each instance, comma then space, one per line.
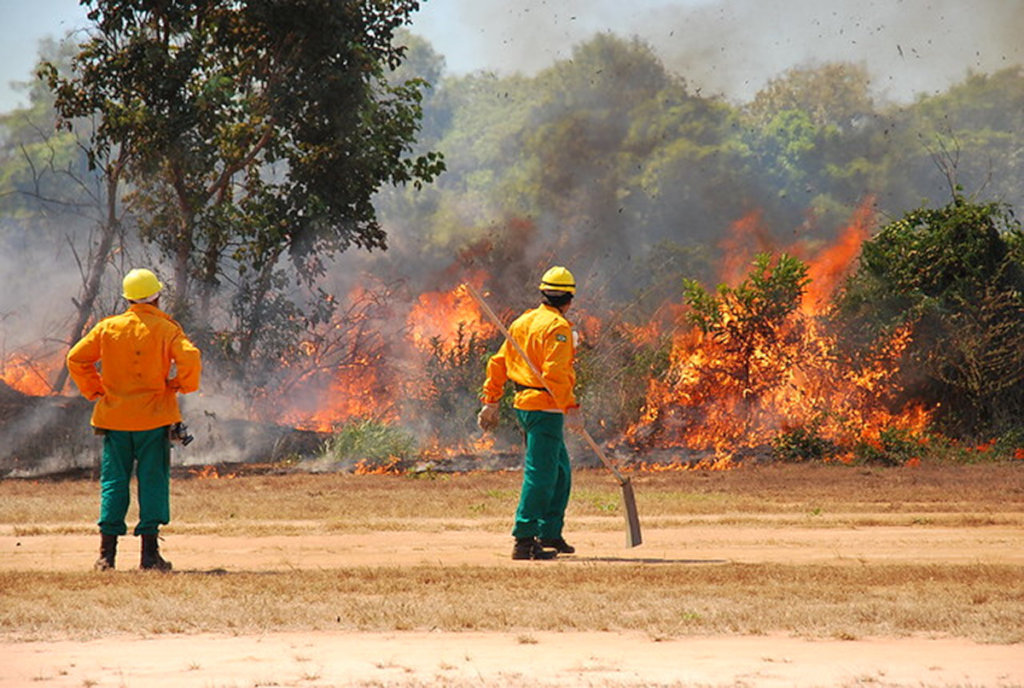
633, 537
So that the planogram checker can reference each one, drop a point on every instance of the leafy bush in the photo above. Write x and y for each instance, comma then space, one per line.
802, 444
371, 444
894, 447
954, 274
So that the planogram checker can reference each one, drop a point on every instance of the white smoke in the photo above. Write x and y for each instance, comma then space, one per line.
734, 47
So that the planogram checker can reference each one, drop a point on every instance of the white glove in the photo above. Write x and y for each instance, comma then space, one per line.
487, 419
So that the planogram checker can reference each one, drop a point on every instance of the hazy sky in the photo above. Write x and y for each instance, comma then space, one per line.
730, 47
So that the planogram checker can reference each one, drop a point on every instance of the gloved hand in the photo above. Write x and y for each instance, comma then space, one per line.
487, 419
574, 420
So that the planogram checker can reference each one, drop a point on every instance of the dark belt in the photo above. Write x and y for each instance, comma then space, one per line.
521, 388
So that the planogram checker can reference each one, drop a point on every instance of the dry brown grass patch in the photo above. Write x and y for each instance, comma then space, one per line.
982, 602
993, 491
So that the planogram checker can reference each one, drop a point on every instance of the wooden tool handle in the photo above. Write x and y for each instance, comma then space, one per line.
508, 336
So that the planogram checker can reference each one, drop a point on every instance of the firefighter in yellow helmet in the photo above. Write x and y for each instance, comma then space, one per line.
543, 407
136, 405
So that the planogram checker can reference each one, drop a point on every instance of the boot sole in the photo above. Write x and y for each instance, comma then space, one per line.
535, 556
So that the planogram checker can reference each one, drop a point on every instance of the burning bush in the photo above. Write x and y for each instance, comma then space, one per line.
762, 366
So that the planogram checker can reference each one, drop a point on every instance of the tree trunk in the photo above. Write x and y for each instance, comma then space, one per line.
178, 306
94, 274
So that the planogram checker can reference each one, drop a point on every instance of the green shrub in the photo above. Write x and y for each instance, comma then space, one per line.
802, 444
371, 444
455, 370
894, 447
955, 276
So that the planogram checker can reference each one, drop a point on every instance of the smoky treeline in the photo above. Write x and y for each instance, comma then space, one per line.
613, 163
607, 162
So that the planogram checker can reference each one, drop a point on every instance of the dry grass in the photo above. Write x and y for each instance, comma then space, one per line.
982, 602
836, 495
976, 600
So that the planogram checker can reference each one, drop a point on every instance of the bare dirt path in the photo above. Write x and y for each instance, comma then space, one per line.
499, 659
693, 544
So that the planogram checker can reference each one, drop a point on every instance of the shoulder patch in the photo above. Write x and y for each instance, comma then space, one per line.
561, 337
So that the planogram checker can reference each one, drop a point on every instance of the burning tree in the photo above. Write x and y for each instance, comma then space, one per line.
744, 346
751, 324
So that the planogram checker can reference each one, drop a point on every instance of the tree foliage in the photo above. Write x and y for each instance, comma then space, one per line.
252, 132
955, 275
751, 321
834, 94
46, 175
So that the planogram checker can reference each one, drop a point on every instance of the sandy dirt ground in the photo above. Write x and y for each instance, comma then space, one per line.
502, 659
498, 659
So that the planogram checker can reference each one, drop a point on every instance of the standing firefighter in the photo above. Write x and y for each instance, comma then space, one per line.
136, 407
543, 407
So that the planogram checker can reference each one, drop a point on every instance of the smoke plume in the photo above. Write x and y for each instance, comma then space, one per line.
733, 47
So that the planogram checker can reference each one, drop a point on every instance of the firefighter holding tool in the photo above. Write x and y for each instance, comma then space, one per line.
145, 360
543, 407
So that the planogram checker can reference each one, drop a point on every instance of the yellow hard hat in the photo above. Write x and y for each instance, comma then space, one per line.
558, 279
140, 284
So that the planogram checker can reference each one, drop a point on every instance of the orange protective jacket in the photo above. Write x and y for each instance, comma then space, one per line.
546, 337
133, 389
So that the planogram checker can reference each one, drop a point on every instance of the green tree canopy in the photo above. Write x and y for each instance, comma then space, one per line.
251, 132
835, 94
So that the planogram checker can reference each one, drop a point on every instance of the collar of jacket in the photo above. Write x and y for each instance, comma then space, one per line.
147, 308
556, 311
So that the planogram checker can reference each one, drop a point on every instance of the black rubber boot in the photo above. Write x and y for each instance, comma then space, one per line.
557, 544
151, 559
530, 548
108, 552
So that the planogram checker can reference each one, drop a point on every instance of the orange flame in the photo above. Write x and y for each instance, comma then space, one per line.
833, 264
442, 316
27, 375
480, 445
718, 397
209, 473
355, 393
383, 377
747, 237
390, 467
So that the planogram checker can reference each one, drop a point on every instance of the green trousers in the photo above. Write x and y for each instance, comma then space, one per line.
547, 476
150, 452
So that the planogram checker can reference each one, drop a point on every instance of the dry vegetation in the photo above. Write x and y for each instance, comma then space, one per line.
977, 599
